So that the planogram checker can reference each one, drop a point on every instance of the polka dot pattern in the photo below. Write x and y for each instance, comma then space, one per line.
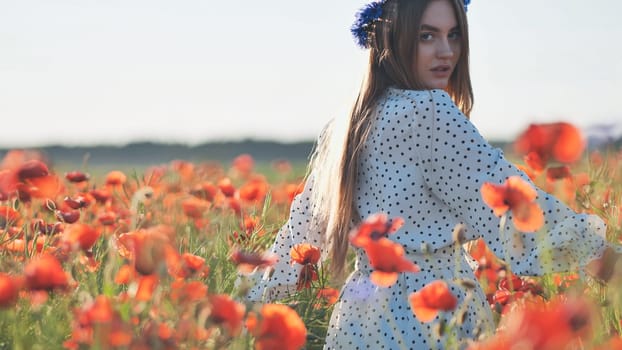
425, 161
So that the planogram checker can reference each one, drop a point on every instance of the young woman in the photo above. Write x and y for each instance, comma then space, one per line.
409, 150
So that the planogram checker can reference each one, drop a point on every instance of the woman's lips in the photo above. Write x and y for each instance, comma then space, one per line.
441, 71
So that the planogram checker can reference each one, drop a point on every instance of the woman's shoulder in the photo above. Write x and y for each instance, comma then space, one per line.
432, 101
420, 96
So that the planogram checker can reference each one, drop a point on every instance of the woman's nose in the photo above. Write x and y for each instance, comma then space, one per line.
444, 49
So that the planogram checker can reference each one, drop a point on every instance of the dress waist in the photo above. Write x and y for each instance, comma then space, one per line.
442, 258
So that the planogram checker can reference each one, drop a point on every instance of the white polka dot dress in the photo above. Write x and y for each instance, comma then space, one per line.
425, 162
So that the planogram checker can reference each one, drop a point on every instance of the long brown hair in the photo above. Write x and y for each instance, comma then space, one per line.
334, 164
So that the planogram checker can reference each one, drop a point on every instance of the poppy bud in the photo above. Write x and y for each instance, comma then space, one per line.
76, 176
31, 169
68, 216
76, 203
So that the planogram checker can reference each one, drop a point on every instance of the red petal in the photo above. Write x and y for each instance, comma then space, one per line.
383, 279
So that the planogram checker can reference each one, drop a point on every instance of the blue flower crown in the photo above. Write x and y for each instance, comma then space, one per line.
367, 16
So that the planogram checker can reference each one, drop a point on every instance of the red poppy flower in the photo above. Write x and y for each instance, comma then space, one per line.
43, 187
519, 197
226, 187
147, 248
16, 168
529, 324
101, 195
115, 178
146, 287
206, 190
292, 190
387, 259
234, 205
248, 262
249, 224
8, 214
307, 275
195, 208
277, 327
9, 289
254, 190
282, 166
45, 273
81, 235
556, 173
98, 324
193, 262
125, 275
188, 292
305, 253
101, 311
20, 245
107, 218
76, 176
373, 228
560, 141
243, 163
329, 295
227, 312
8, 183
429, 300
535, 162
186, 265
184, 168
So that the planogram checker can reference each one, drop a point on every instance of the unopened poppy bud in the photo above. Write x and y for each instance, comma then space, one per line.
76, 176
440, 327
425, 248
461, 317
458, 234
467, 284
50, 205
77, 203
31, 169
68, 216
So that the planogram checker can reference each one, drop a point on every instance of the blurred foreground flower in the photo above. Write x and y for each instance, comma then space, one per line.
562, 142
308, 256
518, 196
45, 273
277, 327
248, 262
535, 324
9, 288
385, 256
429, 300
373, 228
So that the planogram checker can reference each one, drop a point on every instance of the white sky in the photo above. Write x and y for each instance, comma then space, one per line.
114, 71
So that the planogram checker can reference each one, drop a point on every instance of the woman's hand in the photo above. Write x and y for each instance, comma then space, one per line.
607, 267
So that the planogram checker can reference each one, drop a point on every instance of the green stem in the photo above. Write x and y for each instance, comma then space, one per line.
506, 250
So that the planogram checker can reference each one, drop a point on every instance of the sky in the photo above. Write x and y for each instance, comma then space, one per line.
84, 72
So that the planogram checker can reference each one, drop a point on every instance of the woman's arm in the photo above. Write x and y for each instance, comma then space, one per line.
280, 280
457, 161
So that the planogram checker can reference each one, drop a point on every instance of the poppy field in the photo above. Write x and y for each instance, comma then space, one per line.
163, 259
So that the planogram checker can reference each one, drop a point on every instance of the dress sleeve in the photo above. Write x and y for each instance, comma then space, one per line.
456, 161
280, 281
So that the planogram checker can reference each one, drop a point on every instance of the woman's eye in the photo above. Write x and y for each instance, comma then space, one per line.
454, 35
426, 36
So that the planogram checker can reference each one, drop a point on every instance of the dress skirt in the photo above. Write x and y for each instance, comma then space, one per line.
371, 317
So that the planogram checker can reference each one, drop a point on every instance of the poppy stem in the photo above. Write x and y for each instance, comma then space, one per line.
506, 251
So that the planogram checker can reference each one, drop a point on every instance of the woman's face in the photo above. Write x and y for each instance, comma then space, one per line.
438, 46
